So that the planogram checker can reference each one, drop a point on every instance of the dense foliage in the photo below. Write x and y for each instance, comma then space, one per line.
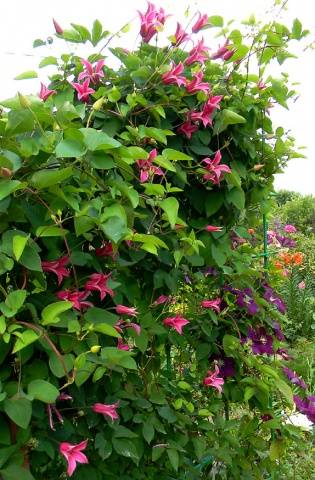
135, 320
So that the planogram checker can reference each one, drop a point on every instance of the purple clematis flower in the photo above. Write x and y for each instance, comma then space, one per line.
306, 406
273, 299
227, 366
286, 241
294, 378
245, 300
278, 332
261, 341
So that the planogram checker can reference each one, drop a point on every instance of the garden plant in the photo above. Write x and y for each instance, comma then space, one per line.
140, 335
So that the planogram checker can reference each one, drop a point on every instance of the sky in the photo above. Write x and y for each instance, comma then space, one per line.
24, 20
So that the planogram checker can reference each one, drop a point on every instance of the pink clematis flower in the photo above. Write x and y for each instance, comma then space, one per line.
177, 322
215, 169
123, 310
93, 74
213, 228
121, 324
76, 298
200, 23
107, 410
223, 52
83, 90
213, 304
58, 28
198, 53
45, 92
205, 116
261, 85
187, 128
147, 169
301, 285
212, 379
106, 250
122, 346
180, 35
58, 267
98, 282
151, 21
196, 85
162, 299
289, 229
173, 75
73, 454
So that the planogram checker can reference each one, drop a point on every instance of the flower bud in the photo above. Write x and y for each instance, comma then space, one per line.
257, 167
58, 28
5, 172
24, 102
98, 104
95, 348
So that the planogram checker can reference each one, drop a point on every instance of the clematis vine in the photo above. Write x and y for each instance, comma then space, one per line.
198, 53
93, 74
177, 322
215, 169
76, 297
196, 85
201, 22
206, 114
180, 35
98, 282
212, 304
108, 410
58, 267
173, 76
45, 92
73, 454
83, 90
151, 21
147, 169
213, 380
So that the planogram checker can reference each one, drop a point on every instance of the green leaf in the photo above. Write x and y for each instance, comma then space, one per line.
170, 206
213, 202
47, 178
19, 410
50, 231
9, 186
19, 121
284, 388
97, 30
126, 448
18, 245
6, 263
167, 413
157, 451
26, 75
83, 32
70, 148
114, 95
25, 339
43, 391
219, 256
30, 259
216, 20
96, 140
229, 117
14, 472
106, 330
13, 303
230, 344
50, 314
173, 458
148, 432
101, 161
115, 357
48, 61
171, 154
115, 228
57, 367
277, 449
237, 197
296, 29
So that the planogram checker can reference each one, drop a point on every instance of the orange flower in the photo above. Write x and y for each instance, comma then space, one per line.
297, 258
251, 231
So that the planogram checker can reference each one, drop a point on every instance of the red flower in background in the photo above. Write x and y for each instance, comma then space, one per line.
58, 267
98, 282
